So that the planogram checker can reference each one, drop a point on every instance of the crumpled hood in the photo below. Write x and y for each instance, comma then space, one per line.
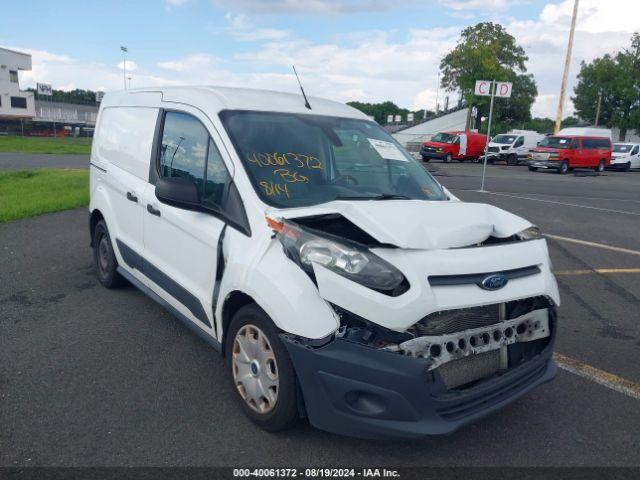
418, 224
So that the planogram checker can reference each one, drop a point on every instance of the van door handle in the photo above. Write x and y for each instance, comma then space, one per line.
132, 197
153, 211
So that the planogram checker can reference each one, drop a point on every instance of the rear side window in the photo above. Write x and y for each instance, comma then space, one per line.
589, 143
188, 151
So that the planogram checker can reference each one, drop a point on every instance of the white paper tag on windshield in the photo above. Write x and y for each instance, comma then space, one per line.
387, 150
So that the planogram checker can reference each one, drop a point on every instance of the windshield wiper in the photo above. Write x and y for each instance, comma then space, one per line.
382, 196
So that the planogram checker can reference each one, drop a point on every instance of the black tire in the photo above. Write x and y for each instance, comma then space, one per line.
448, 158
600, 167
104, 258
564, 167
461, 160
627, 167
512, 160
533, 169
425, 159
284, 414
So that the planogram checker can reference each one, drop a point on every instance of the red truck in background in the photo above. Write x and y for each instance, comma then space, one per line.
457, 145
564, 152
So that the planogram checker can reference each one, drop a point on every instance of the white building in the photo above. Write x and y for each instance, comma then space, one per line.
14, 103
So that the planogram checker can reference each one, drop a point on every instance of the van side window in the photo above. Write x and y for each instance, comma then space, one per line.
183, 149
216, 176
519, 142
635, 150
588, 143
575, 144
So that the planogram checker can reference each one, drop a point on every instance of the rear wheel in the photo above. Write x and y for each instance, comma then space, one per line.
261, 371
104, 258
600, 167
564, 167
533, 169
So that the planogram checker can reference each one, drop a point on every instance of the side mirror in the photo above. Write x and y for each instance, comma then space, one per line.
179, 192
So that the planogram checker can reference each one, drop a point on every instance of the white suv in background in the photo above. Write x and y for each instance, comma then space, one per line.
339, 280
625, 156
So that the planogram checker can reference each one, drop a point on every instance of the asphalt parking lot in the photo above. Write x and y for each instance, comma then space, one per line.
102, 378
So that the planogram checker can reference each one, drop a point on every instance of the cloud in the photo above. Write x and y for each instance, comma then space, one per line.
131, 66
242, 29
175, 3
189, 63
302, 7
485, 5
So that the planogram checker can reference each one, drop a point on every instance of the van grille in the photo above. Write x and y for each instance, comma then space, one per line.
452, 321
469, 369
493, 149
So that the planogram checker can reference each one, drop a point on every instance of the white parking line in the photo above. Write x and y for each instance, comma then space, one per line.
593, 244
606, 379
562, 203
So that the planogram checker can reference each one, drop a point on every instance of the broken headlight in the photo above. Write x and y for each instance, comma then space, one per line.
345, 258
531, 233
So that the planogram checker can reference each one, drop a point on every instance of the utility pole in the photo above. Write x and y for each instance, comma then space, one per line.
598, 108
567, 63
486, 147
124, 65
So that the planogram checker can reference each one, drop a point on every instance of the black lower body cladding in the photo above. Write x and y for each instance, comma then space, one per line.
357, 390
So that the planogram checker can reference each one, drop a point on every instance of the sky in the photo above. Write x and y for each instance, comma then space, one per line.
365, 50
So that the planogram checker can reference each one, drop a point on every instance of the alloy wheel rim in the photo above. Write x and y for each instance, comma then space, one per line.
255, 371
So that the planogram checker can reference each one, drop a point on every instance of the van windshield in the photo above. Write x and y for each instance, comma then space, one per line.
296, 160
555, 142
621, 148
504, 139
443, 138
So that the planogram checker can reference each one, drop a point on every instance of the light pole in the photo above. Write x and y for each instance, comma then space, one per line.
598, 108
129, 79
567, 63
124, 66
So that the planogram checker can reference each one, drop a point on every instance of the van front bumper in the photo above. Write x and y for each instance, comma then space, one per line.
555, 164
353, 389
430, 154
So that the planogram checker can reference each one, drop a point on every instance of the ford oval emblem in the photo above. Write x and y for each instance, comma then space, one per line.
494, 282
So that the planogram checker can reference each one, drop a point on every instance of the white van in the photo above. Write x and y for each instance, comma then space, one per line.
513, 146
625, 156
586, 132
339, 280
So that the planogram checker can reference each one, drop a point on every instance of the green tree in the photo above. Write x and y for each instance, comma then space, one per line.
487, 52
617, 78
380, 111
85, 97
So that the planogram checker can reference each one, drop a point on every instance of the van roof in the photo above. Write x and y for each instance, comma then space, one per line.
215, 99
560, 135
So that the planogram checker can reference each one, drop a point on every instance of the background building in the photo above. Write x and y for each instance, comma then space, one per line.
14, 103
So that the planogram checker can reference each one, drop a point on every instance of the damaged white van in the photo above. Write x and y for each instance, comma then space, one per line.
339, 280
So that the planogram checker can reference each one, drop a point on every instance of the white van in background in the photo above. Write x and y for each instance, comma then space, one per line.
625, 156
513, 146
586, 132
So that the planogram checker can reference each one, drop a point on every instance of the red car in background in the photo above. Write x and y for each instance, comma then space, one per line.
457, 145
564, 152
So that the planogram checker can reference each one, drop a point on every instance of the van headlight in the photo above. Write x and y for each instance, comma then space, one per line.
349, 260
531, 233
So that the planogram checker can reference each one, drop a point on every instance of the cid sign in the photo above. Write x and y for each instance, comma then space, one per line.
501, 89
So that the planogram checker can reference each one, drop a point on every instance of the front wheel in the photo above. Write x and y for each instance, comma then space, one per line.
512, 160
448, 158
425, 159
564, 167
261, 371
600, 167
627, 167
533, 169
